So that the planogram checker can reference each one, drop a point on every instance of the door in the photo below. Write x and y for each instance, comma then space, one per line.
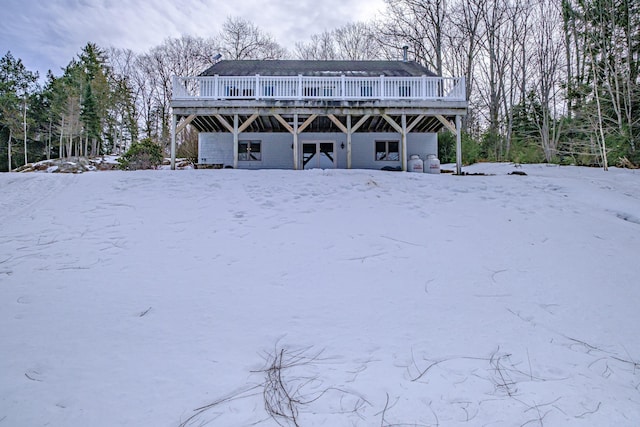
319, 154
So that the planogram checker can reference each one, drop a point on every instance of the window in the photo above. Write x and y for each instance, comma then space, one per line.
387, 151
366, 91
249, 151
404, 91
267, 91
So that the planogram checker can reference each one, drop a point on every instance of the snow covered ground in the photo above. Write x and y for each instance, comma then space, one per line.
339, 298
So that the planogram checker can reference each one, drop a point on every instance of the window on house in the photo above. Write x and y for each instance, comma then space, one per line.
387, 151
249, 151
268, 91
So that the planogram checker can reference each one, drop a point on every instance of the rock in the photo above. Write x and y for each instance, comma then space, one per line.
24, 168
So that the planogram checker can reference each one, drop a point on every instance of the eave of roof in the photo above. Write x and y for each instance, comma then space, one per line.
317, 68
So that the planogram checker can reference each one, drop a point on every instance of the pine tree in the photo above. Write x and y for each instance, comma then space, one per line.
16, 85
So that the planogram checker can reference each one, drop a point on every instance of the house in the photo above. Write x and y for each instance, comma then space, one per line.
316, 114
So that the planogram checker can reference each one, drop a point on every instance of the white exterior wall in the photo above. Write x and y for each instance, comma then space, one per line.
277, 152
215, 148
363, 148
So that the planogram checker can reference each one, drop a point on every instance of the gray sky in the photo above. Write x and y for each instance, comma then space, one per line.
47, 34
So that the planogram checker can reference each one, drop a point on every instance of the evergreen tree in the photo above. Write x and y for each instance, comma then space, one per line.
603, 53
16, 85
89, 117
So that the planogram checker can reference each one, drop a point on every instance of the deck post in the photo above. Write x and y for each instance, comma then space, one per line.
235, 141
174, 84
296, 153
404, 143
349, 131
458, 146
174, 120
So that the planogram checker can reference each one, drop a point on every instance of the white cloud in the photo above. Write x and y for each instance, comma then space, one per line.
47, 35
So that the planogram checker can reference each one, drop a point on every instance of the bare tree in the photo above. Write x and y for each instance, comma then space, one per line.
547, 55
241, 39
463, 40
125, 115
355, 42
493, 67
419, 24
321, 47
519, 16
184, 56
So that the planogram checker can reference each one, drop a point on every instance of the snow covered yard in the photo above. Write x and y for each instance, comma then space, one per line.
341, 298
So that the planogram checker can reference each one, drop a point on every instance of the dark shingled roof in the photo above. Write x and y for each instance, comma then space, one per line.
318, 68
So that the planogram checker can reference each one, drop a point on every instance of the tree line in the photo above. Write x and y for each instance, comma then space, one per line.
547, 80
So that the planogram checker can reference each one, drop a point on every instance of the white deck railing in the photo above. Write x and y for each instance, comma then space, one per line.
318, 88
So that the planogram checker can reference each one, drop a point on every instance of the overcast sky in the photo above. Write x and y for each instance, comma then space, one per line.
47, 34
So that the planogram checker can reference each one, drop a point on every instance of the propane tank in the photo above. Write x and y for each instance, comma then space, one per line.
415, 164
431, 164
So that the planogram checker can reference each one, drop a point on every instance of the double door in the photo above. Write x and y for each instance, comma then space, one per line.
319, 155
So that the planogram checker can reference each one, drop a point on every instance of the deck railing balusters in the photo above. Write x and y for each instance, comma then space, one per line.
320, 88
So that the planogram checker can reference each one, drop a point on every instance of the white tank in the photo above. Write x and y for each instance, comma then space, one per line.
431, 164
415, 164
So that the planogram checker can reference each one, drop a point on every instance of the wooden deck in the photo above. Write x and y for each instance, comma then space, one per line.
344, 104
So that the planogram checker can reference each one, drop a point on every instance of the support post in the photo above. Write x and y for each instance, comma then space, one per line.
235, 141
174, 120
404, 143
349, 132
296, 154
458, 145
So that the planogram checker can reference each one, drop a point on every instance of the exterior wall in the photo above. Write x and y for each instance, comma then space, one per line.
277, 151
215, 148
363, 148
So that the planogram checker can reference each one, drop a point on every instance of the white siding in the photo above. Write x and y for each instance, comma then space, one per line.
277, 151
215, 149
364, 156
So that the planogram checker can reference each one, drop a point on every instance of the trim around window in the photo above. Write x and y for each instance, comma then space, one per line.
387, 151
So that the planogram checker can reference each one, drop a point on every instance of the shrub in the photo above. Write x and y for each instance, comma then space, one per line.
447, 148
526, 151
144, 154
